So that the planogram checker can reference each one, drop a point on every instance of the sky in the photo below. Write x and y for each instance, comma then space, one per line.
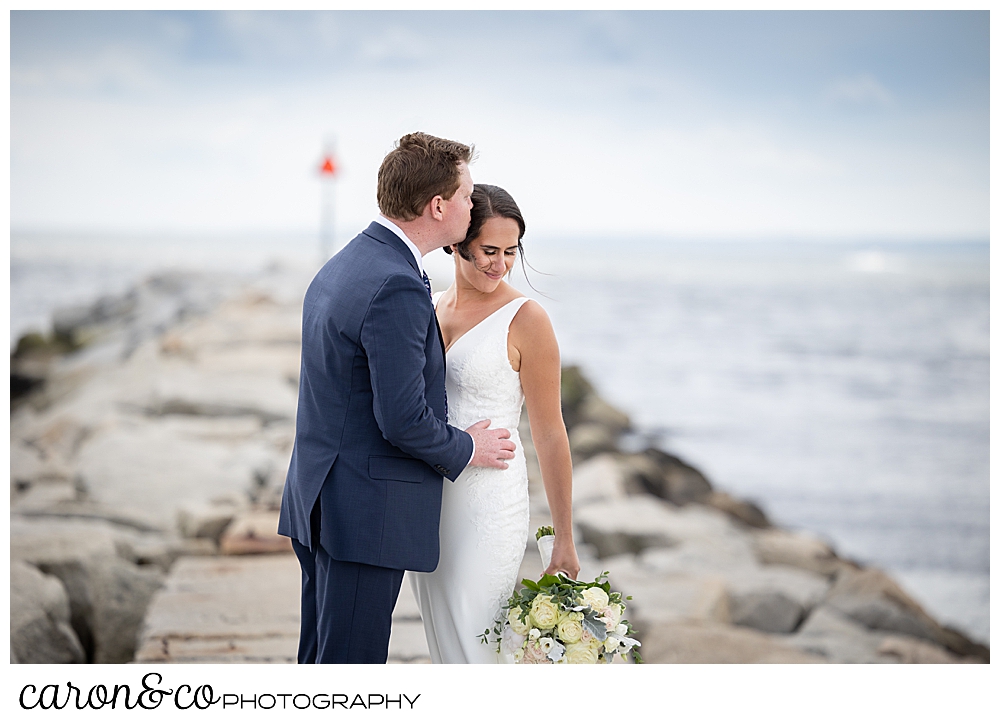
658, 124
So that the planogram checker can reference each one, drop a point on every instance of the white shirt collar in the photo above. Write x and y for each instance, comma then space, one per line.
399, 232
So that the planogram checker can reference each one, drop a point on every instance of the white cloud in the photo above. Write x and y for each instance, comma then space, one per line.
861, 90
114, 69
611, 149
395, 44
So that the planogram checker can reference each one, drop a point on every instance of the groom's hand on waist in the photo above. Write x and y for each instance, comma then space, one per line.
492, 447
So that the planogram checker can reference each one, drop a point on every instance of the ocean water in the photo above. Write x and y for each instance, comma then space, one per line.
844, 387
49, 271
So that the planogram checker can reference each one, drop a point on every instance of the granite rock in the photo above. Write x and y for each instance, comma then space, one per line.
40, 631
770, 611
777, 546
714, 643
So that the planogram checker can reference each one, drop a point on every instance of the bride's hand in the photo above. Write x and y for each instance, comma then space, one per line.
564, 558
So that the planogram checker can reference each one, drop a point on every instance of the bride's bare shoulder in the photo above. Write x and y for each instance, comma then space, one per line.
531, 322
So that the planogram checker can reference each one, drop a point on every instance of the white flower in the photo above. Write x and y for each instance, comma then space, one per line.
570, 629
534, 634
511, 642
544, 612
514, 619
556, 653
533, 654
596, 598
611, 616
546, 642
580, 653
630, 643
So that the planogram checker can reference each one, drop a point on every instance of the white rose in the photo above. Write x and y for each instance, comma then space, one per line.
580, 653
570, 629
596, 598
514, 619
544, 613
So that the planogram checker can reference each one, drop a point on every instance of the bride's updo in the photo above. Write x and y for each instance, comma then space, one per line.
487, 202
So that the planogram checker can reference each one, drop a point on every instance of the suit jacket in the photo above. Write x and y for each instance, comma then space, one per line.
371, 439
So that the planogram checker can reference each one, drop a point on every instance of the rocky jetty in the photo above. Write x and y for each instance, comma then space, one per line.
712, 580
145, 429
150, 434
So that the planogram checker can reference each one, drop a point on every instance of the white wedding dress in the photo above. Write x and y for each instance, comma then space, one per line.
484, 513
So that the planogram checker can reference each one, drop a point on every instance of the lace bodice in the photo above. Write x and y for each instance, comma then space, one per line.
481, 383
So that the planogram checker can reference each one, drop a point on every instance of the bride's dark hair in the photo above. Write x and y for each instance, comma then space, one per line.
488, 202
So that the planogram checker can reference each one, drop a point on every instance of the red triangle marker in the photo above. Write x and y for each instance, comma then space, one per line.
328, 168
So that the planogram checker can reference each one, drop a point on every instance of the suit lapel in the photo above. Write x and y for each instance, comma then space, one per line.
437, 325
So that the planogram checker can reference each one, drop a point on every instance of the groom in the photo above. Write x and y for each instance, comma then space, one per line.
362, 499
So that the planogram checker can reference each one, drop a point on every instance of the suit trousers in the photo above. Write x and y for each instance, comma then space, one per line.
346, 609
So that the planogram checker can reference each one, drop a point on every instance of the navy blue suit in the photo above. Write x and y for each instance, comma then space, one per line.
362, 498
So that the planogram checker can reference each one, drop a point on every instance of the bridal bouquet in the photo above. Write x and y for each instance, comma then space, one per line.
556, 620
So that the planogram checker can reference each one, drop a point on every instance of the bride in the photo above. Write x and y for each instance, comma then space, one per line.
501, 352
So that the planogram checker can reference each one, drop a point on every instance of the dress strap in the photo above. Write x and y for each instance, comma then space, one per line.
507, 313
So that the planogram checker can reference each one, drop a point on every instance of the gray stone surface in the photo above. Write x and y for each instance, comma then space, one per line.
590, 438
908, 650
665, 597
598, 479
108, 593
769, 611
615, 526
245, 609
743, 511
797, 549
828, 633
805, 588
254, 531
875, 612
670, 478
715, 643
40, 631
595, 409
149, 471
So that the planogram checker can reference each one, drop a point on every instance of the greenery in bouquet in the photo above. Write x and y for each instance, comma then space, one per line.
556, 620
544, 531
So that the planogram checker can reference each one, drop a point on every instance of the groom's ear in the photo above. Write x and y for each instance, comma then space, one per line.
436, 208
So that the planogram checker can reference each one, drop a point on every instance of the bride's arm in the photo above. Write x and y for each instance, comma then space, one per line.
531, 334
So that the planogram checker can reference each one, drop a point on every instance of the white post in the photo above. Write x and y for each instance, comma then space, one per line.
327, 173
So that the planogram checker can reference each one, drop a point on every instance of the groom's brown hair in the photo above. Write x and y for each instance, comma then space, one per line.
417, 169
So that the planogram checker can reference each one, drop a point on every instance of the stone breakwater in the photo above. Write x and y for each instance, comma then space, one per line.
150, 435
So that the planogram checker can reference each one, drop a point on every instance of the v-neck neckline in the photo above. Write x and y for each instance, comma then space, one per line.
466, 332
